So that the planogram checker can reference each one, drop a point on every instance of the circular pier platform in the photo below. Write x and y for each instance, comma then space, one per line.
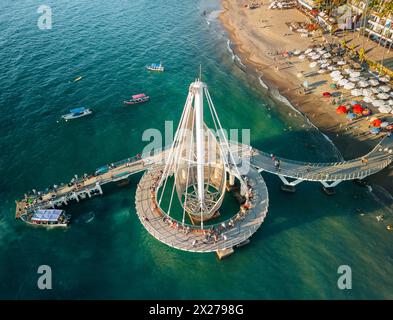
225, 234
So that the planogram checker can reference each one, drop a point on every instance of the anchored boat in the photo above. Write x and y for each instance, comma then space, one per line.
156, 67
77, 113
138, 98
47, 218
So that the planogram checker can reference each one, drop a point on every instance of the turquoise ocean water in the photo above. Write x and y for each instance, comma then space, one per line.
106, 253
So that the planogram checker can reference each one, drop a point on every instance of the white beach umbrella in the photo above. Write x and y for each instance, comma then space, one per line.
374, 82
308, 51
354, 79
384, 79
327, 55
367, 92
315, 57
383, 96
343, 82
341, 63
331, 68
385, 109
297, 52
302, 57
356, 92
385, 88
390, 102
378, 103
363, 84
324, 65
355, 74
375, 90
349, 86
313, 64
348, 70
367, 99
335, 73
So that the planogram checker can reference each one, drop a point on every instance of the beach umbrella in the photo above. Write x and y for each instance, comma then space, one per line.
355, 74
335, 73
375, 130
349, 86
351, 115
302, 57
378, 103
356, 92
308, 51
366, 112
376, 122
313, 64
374, 82
367, 99
315, 57
357, 109
367, 92
357, 66
374, 90
383, 96
326, 55
297, 52
331, 68
384, 109
343, 82
384, 88
300, 74
354, 79
341, 63
326, 94
332, 86
321, 71
390, 102
348, 70
341, 109
363, 84
384, 124
324, 65
384, 79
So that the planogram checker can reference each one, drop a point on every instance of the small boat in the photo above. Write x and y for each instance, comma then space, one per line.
138, 98
47, 218
77, 79
379, 218
389, 227
156, 67
77, 113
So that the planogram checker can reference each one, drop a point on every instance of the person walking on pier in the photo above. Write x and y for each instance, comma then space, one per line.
277, 164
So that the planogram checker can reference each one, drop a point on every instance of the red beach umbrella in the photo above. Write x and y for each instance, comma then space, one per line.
341, 109
377, 123
357, 109
326, 94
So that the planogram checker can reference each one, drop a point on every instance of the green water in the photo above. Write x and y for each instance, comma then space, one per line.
106, 253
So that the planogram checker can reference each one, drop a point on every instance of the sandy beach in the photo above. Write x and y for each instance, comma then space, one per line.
258, 36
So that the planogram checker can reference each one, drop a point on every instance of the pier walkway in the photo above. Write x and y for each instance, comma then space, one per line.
329, 174
290, 172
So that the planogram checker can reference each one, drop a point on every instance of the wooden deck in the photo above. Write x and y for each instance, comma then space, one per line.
193, 239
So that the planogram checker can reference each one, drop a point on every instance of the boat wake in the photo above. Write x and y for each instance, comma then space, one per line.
86, 218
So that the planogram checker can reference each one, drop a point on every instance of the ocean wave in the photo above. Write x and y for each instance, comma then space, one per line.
230, 49
262, 83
